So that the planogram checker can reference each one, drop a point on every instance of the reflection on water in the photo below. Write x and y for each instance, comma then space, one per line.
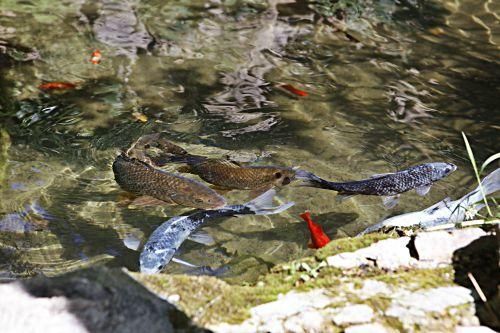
389, 86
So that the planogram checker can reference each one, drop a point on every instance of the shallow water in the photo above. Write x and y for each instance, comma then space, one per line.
207, 73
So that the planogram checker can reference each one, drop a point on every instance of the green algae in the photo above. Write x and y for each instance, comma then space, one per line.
348, 245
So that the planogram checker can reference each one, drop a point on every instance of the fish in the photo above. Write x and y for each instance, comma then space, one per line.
318, 237
155, 149
390, 185
57, 86
161, 246
227, 174
444, 211
140, 178
224, 174
293, 90
96, 57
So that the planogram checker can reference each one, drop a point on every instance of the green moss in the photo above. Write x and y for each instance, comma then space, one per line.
210, 300
418, 278
348, 245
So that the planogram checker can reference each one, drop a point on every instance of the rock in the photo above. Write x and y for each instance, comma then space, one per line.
353, 314
307, 322
473, 329
413, 306
386, 254
291, 304
436, 248
372, 288
91, 300
22, 312
293, 312
366, 328
429, 250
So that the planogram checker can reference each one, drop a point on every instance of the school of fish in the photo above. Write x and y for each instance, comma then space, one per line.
137, 171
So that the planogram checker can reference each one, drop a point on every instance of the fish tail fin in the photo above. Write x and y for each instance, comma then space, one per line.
263, 204
490, 184
311, 180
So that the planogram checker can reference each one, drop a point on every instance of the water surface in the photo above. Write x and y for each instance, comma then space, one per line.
393, 90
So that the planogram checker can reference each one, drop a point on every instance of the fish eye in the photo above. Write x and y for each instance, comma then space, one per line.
286, 181
160, 267
278, 175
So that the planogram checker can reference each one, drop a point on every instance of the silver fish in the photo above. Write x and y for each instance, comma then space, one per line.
161, 246
445, 211
390, 185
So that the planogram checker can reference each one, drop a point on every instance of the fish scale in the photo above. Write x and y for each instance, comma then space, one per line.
231, 175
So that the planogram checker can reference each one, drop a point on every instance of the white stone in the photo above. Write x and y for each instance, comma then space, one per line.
311, 321
366, 328
473, 329
21, 312
346, 260
273, 325
371, 288
436, 248
353, 314
290, 304
413, 307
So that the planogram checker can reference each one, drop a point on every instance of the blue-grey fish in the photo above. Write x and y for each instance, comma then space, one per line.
445, 211
419, 177
161, 246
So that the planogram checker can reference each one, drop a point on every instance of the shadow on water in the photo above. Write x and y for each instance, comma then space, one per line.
481, 259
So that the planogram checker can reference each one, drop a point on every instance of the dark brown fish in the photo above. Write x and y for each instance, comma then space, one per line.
156, 150
231, 175
141, 178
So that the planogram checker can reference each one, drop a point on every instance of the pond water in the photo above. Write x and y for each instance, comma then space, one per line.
388, 87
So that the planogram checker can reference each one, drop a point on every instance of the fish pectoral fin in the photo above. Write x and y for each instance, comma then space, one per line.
423, 190
202, 237
342, 197
225, 162
148, 201
185, 263
390, 201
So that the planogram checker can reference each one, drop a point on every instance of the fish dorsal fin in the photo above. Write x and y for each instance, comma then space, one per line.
423, 190
380, 175
226, 163
201, 237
